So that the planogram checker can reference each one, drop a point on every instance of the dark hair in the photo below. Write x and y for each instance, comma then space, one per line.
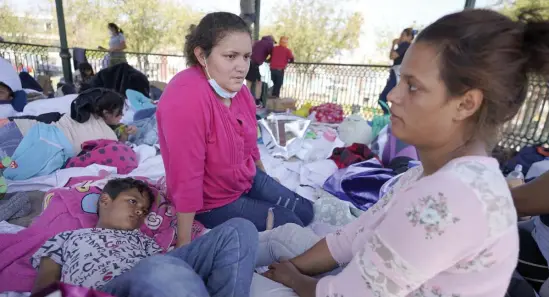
7, 87
115, 27
485, 50
114, 187
95, 101
85, 66
210, 30
409, 32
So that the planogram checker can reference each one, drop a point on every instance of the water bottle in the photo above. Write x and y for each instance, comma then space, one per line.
515, 178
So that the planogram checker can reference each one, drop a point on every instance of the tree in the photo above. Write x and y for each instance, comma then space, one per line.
317, 30
514, 9
143, 22
13, 28
384, 39
85, 22
149, 25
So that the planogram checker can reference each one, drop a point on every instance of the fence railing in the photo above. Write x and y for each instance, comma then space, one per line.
355, 87
45, 60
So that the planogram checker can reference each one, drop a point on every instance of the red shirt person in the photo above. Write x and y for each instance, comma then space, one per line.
280, 58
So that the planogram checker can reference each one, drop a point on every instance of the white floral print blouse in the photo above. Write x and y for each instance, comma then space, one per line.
449, 234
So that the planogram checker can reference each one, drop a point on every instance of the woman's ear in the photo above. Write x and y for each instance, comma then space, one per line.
469, 104
199, 54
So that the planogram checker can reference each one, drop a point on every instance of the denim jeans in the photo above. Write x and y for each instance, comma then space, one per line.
391, 83
277, 76
11, 137
266, 193
218, 264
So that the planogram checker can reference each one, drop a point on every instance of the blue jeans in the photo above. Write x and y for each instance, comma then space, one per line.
219, 264
391, 83
266, 193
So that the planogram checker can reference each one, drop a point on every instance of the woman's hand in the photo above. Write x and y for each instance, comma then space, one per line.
287, 274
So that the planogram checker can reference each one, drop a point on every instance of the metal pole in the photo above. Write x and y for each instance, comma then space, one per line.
470, 3
257, 17
64, 53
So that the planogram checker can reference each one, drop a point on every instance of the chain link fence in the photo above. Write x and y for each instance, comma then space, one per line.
355, 87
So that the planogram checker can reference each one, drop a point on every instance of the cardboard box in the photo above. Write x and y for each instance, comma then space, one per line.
280, 104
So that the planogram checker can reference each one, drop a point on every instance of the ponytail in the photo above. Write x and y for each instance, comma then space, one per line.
116, 28
536, 41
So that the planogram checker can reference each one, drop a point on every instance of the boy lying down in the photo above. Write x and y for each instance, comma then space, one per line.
116, 258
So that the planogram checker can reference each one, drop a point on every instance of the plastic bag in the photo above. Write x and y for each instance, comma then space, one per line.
283, 134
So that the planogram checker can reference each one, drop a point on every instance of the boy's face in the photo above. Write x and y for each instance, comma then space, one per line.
125, 212
5, 94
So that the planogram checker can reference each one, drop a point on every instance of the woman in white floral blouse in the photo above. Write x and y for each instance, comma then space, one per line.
447, 228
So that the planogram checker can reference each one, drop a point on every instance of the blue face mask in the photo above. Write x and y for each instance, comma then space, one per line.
217, 88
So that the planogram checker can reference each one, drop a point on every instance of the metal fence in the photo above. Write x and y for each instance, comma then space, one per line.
45, 60
355, 87
157, 67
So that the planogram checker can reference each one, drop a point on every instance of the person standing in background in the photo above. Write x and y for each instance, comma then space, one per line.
260, 51
398, 50
280, 58
117, 45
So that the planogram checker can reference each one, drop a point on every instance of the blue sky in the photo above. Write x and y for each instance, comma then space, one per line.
387, 15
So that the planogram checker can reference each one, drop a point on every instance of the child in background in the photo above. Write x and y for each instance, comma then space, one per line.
115, 257
83, 76
11, 90
95, 114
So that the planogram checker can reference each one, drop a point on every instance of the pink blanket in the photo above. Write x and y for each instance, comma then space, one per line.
73, 208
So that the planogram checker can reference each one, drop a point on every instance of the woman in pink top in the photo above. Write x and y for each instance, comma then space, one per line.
208, 136
449, 227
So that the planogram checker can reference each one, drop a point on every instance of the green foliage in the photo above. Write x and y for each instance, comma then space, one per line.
148, 25
513, 9
316, 28
11, 27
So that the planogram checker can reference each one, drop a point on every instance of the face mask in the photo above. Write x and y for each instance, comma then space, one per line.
217, 88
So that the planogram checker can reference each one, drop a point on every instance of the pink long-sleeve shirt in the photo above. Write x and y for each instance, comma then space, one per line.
449, 234
209, 150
